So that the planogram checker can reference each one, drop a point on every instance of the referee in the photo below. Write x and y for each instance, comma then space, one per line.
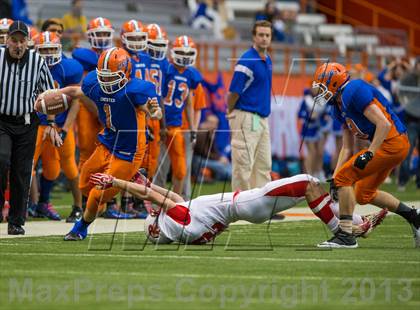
23, 75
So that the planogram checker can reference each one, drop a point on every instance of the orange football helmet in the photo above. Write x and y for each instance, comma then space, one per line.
157, 42
100, 33
48, 45
184, 51
134, 36
328, 81
33, 33
113, 70
4, 27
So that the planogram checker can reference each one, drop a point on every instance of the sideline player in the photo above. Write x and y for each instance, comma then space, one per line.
357, 177
100, 36
200, 220
181, 79
121, 103
56, 154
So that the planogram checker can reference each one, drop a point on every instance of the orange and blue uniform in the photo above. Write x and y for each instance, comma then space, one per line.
88, 124
175, 91
66, 72
356, 96
156, 75
122, 142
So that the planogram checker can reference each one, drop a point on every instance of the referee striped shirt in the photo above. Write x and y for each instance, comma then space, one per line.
21, 81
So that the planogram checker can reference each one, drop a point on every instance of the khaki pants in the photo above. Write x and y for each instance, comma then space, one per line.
251, 150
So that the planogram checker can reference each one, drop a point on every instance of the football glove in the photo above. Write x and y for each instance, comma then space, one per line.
363, 159
141, 179
333, 190
101, 180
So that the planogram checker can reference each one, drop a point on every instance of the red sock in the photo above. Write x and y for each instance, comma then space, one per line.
321, 207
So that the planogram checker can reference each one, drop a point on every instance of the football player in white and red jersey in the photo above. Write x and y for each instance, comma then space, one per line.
200, 220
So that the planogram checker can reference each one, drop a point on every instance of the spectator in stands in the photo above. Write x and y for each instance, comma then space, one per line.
410, 96
204, 16
53, 25
75, 23
269, 13
206, 154
389, 78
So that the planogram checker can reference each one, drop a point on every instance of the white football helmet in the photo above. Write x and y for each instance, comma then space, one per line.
153, 232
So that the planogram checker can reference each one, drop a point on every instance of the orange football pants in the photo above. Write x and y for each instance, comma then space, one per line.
367, 181
103, 161
54, 158
150, 160
88, 126
176, 149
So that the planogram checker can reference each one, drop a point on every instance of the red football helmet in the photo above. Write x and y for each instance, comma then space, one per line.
134, 36
328, 81
113, 70
157, 42
4, 27
100, 33
48, 45
184, 51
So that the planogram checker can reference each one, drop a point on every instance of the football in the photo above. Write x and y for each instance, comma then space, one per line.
52, 102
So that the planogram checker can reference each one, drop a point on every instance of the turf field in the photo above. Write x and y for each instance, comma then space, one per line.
271, 266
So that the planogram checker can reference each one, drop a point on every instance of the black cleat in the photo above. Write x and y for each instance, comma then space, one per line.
15, 230
76, 213
342, 240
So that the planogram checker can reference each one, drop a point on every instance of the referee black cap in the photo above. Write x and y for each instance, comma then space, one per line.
18, 26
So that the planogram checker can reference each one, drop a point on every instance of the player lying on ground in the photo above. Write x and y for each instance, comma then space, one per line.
200, 220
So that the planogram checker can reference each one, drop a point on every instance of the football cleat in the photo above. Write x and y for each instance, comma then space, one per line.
47, 210
76, 214
370, 222
77, 233
341, 240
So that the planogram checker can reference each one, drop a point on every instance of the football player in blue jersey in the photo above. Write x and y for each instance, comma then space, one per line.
100, 36
121, 103
364, 113
181, 78
65, 72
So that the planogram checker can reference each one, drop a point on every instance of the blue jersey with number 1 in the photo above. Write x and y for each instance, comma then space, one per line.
119, 113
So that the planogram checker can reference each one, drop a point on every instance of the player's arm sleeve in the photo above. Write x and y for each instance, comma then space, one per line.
196, 80
75, 73
88, 83
361, 98
139, 98
242, 78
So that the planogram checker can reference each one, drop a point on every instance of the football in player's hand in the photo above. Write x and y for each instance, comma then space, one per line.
52, 102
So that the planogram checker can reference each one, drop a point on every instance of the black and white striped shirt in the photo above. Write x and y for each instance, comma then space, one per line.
21, 81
